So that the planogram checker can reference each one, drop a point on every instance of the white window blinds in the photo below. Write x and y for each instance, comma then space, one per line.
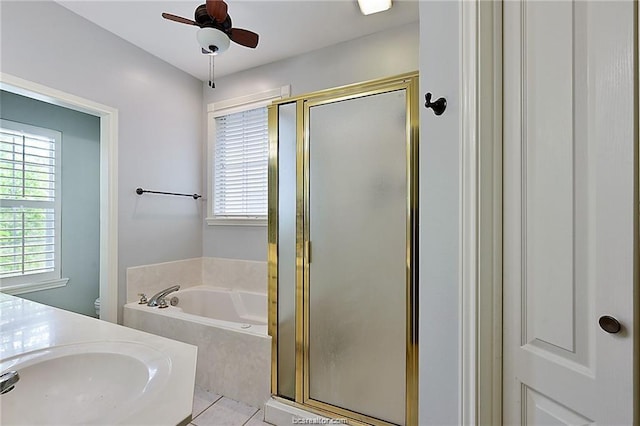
29, 203
240, 165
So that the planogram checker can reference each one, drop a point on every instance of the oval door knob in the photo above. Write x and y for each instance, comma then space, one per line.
609, 324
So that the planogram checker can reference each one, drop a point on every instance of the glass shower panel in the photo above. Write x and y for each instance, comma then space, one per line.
287, 250
358, 271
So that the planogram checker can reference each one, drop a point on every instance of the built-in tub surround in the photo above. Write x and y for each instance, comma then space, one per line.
236, 274
223, 311
100, 373
218, 272
150, 279
229, 328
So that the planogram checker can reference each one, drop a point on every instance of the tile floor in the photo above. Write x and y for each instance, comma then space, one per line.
210, 409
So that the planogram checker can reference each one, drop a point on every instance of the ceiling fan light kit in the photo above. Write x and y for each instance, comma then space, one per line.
213, 40
368, 7
216, 31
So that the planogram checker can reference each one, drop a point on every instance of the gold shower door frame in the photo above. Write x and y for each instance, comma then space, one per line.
409, 83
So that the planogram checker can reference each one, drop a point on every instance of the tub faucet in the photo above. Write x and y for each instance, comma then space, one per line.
155, 300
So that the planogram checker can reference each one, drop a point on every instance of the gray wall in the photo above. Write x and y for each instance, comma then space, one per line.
80, 238
383, 54
439, 321
160, 121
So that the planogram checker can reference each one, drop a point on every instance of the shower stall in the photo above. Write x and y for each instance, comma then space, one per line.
343, 203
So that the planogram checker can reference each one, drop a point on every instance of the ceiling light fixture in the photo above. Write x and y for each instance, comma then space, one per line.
367, 7
213, 42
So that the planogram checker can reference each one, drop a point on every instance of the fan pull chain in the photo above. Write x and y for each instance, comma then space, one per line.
211, 83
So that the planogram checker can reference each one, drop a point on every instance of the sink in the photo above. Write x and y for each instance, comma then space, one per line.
86, 383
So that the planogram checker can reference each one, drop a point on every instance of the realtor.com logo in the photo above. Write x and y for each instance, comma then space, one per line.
318, 421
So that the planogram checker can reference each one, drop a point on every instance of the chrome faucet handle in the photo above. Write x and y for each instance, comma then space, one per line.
143, 299
162, 303
8, 381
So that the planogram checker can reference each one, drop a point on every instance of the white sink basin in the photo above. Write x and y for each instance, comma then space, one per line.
87, 383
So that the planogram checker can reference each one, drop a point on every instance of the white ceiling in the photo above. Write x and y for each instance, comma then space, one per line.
286, 28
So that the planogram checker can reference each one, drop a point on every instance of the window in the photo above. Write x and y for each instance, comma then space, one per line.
239, 152
29, 205
240, 165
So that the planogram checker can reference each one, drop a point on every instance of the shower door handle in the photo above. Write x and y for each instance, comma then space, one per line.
308, 249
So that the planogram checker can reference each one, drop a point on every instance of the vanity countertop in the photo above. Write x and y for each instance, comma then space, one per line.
27, 326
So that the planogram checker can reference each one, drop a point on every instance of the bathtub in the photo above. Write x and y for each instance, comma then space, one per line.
229, 308
230, 330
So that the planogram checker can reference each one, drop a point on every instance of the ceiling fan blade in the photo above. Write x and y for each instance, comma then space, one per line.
179, 19
244, 37
217, 9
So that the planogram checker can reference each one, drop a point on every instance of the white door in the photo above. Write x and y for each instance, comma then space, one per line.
570, 153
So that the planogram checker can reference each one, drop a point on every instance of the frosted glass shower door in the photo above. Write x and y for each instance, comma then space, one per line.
358, 234
287, 250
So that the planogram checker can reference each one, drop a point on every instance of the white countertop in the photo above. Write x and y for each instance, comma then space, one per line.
27, 326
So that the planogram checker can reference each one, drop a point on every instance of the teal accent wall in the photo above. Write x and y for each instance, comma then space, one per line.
80, 239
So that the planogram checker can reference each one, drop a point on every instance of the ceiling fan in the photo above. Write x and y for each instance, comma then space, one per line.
216, 30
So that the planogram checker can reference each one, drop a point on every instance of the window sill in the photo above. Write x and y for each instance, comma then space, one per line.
37, 286
212, 221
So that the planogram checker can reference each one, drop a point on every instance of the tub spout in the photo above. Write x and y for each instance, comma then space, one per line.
155, 300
